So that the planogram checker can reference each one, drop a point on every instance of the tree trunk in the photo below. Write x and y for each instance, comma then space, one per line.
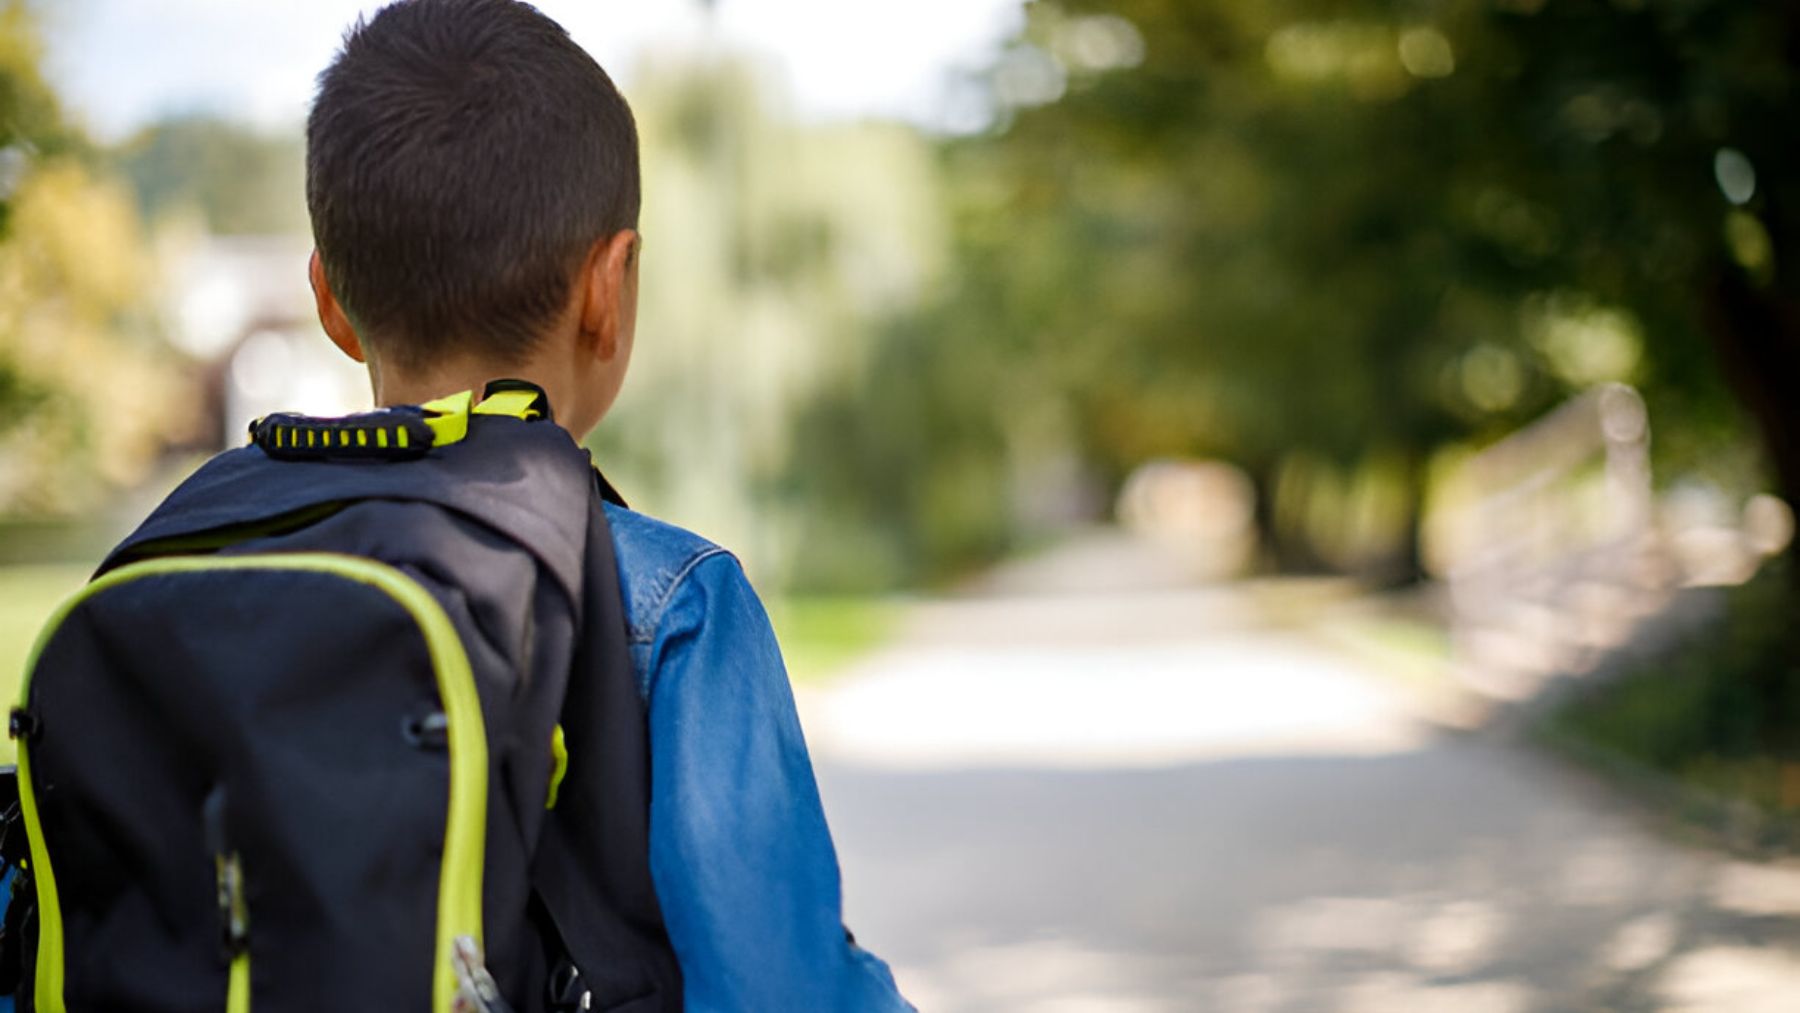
1282, 551
1405, 566
1757, 336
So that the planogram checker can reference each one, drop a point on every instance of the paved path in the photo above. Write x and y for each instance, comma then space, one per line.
1155, 802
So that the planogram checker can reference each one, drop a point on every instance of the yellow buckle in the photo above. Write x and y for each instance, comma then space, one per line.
448, 417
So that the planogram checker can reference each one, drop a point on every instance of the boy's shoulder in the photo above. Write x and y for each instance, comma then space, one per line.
655, 558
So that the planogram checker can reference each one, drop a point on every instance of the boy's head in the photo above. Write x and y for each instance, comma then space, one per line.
472, 176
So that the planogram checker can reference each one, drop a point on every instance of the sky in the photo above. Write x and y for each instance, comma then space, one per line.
120, 64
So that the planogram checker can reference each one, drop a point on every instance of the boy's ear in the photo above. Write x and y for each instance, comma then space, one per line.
331, 314
609, 277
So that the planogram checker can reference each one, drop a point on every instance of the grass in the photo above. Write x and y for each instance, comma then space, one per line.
1719, 714
1407, 649
820, 635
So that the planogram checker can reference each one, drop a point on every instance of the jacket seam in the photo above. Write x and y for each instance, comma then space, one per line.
660, 607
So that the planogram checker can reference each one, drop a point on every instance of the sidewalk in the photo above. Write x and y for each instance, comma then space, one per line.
1155, 801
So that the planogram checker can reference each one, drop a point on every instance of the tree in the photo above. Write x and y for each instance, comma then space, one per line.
1356, 231
87, 389
1661, 137
238, 181
768, 246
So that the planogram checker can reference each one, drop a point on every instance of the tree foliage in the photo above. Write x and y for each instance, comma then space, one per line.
237, 181
88, 392
1355, 232
768, 245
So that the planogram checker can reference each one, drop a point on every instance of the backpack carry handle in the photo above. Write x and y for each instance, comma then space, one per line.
390, 434
402, 433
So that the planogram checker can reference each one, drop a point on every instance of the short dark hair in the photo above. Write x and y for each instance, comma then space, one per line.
462, 157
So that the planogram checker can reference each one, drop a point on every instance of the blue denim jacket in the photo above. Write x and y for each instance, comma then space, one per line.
739, 851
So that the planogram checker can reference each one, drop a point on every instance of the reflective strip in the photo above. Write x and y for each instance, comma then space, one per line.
559, 765
399, 436
362, 437
465, 841
515, 403
381, 437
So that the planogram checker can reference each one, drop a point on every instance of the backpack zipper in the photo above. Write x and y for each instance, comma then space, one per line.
465, 841
235, 911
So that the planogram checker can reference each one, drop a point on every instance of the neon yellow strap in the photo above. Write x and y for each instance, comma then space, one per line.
237, 990
519, 404
448, 417
559, 765
47, 986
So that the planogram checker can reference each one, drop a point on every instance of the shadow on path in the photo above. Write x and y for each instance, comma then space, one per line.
1459, 875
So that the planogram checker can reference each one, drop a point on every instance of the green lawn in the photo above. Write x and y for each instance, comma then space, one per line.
819, 635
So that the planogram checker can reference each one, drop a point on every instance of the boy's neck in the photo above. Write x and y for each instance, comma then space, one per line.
392, 387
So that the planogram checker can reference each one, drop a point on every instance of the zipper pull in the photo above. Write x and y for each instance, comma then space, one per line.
476, 991
228, 869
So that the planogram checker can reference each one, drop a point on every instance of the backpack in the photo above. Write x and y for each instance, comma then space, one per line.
348, 723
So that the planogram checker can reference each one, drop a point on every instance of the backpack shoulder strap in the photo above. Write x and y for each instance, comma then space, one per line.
592, 868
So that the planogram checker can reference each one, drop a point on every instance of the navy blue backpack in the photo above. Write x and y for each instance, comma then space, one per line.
347, 724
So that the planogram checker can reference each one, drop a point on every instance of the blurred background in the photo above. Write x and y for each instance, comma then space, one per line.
1269, 505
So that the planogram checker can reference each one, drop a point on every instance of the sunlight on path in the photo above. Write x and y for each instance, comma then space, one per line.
1089, 706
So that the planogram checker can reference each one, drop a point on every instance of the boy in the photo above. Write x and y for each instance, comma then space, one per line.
472, 178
